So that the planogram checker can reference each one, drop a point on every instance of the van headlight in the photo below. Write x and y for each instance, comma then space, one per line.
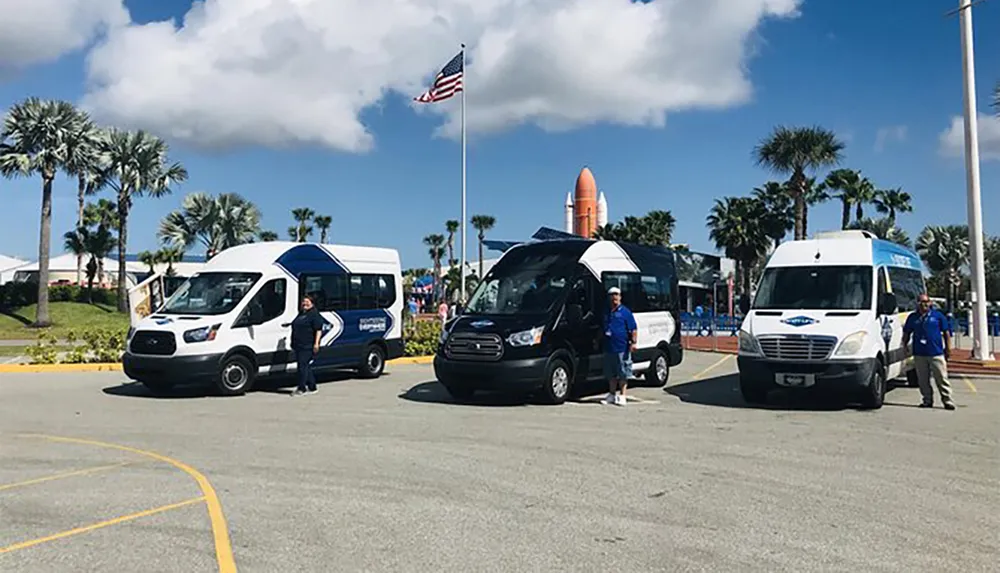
526, 337
748, 344
202, 334
852, 344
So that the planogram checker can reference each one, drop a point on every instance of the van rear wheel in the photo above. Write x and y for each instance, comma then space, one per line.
373, 363
659, 370
235, 376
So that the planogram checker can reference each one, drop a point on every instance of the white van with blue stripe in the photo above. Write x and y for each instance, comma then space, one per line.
828, 315
229, 323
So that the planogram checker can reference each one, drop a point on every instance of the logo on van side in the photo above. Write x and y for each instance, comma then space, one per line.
372, 325
800, 321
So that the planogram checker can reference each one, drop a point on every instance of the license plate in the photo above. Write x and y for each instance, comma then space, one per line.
795, 380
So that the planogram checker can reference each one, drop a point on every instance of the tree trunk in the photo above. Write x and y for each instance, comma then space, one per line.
322, 236
481, 237
90, 280
80, 192
805, 220
892, 217
800, 208
451, 251
122, 242
44, 240
747, 264
860, 211
845, 215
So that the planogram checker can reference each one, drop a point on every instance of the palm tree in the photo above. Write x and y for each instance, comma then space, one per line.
892, 201
83, 160
39, 135
95, 243
814, 195
437, 251
945, 249
482, 223
216, 222
267, 236
883, 228
103, 213
323, 222
654, 228
135, 164
301, 231
149, 259
170, 255
736, 226
452, 227
794, 151
843, 181
780, 217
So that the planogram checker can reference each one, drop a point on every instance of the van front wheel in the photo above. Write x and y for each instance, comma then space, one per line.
874, 395
558, 379
235, 376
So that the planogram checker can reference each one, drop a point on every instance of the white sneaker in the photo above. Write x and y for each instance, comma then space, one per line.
620, 400
610, 399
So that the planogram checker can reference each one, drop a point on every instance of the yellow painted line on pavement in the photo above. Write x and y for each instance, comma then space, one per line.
969, 384
99, 525
718, 363
39, 368
412, 360
44, 479
220, 533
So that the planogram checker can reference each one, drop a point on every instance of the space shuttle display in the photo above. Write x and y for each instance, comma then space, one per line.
584, 211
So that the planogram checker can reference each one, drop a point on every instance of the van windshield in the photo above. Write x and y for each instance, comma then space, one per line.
210, 293
817, 288
523, 284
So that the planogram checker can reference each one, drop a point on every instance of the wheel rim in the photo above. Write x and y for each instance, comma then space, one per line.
374, 361
877, 383
661, 368
560, 382
234, 376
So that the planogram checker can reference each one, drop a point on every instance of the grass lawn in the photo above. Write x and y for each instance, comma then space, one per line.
10, 351
65, 316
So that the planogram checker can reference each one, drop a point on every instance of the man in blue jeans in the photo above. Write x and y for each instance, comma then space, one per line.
620, 337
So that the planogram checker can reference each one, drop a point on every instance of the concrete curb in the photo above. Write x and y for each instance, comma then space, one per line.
117, 367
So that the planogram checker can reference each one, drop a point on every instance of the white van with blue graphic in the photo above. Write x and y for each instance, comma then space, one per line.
829, 314
229, 323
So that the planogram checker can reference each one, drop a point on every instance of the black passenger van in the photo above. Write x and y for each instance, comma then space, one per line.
536, 321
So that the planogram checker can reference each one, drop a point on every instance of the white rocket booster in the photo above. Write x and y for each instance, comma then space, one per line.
602, 211
569, 212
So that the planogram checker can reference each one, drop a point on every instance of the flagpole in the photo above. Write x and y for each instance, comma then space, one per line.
464, 222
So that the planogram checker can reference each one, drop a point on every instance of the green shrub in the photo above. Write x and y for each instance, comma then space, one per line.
16, 295
421, 337
101, 345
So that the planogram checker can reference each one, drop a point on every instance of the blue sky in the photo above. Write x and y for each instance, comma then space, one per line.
851, 66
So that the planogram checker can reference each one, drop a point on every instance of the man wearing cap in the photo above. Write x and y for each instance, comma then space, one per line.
620, 337
928, 328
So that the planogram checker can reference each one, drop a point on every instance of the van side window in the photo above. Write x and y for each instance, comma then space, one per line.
907, 285
269, 302
657, 291
341, 292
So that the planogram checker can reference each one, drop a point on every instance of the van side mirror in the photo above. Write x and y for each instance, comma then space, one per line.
887, 304
574, 314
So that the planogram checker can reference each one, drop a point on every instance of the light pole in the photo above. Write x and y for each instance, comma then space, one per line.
980, 331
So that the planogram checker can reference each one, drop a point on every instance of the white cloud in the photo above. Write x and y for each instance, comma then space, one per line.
39, 31
274, 72
892, 133
952, 140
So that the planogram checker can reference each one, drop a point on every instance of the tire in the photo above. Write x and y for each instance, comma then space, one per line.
373, 364
911, 378
659, 370
753, 393
236, 375
458, 392
157, 385
874, 395
558, 381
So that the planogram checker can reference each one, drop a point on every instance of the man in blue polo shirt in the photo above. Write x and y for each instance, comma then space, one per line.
931, 348
620, 337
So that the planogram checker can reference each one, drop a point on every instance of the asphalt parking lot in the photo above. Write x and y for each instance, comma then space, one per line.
390, 475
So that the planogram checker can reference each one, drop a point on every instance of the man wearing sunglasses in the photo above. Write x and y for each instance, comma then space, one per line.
931, 348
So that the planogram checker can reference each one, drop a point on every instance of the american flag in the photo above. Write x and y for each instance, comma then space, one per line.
447, 83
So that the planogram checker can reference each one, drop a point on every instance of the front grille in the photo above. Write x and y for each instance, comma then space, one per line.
797, 347
153, 342
474, 346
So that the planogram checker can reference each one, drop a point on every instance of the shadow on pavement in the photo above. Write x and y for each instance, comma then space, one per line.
724, 391
275, 384
434, 393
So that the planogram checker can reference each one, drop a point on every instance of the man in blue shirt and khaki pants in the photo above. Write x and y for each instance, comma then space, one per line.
620, 337
931, 349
